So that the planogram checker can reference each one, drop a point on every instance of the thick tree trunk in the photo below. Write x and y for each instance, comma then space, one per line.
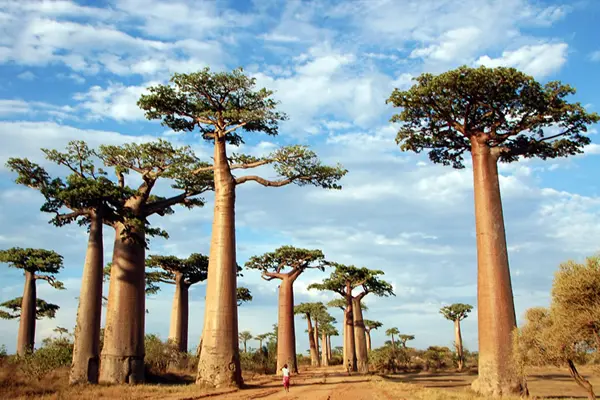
286, 341
122, 359
324, 358
368, 335
495, 307
86, 350
360, 339
178, 330
350, 360
316, 334
459, 346
344, 352
219, 364
581, 381
26, 338
314, 357
329, 347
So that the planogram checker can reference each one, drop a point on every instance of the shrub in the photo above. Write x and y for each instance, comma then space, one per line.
3, 353
159, 355
54, 353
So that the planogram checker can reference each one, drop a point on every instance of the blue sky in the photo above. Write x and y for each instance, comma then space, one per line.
74, 70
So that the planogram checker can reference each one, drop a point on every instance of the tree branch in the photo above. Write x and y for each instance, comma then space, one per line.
269, 276
233, 129
265, 182
203, 169
251, 165
157, 206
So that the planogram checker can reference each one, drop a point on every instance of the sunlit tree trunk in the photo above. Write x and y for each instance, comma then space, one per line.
581, 381
495, 307
314, 357
219, 364
329, 347
344, 353
316, 335
350, 360
324, 358
86, 350
26, 337
286, 341
459, 346
178, 331
122, 358
368, 334
360, 340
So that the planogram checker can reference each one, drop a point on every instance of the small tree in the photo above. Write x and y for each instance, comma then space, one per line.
243, 295
329, 330
457, 312
391, 332
261, 338
37, 264
42, 309
309, 311
323, 324
286, 264
369, 326
496, 114
244, 337
402, 338
221, 105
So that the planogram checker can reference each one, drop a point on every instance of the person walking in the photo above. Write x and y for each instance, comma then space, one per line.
286, 377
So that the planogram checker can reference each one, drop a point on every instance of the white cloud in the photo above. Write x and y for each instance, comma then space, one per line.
595, 56
537, 60
34, 109
26, 76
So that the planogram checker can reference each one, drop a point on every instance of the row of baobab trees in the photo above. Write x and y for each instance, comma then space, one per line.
495, 114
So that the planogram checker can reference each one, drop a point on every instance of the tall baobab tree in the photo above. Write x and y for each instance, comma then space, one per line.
37, 264
222, 105
391, 332
122, 357
286, 264
496, 114
341, 304
323, 325
369, 326
457, 312
309, 311
90, 198
244, 337
343, 281
403, 338
330, 331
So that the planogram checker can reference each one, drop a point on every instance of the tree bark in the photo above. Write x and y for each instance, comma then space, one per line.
368, 335
324, 358
360, 340
178, 330
219, 364
314, 357
344, 352
286, 341
122, 359
459, 346
329, 347
350, 360
316, 334
26, 337
496, 311
86, 350
581, 381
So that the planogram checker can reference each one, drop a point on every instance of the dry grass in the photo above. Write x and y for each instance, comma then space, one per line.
547, 382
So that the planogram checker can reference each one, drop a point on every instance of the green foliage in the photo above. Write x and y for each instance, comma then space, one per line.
392, 332
159, 355
42, 309
243, 295
276, 264
54, 353
345, 277
310, 310
505, 108
371, 325
33, 260
193, 269
341, 304
438, 357
3, 353
404, 338
456, 311
151, 279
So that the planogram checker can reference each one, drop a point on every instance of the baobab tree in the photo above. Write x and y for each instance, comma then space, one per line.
457, 312
90, 198
37, 264
323, 324
122, 358
403, 338
43, 309
286, 263
343, 281
244, 337
496, 114
222, 105
341, 304
391, 332
243, 295
309, 312
261, 338
369, 326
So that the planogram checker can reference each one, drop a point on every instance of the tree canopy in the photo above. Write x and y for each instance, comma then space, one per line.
220, 104
506, 109
392, 331
456, 311
192, 269
286, 261
243, 295
346, 278
44, 264
310, 310
43, 309
341, 304
370, 325
403, 338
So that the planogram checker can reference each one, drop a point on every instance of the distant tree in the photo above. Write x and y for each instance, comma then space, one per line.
323, 324
457, 312
496, 114
37, 264
243, 295
369, 326
286, 263
42, 309
309, 311
244, 337
261, 338
405, 338
221, 105
391, 332
329, 330
341, 304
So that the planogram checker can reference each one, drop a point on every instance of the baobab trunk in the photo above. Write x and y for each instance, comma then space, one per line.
495, 307
86, 350
360, 340
219, 364
286, 341
316, 334
368, 334
122, 359
459, 346
26, 338
314, 357
344, 358
350, 360
178, 331
329, 347
324, 358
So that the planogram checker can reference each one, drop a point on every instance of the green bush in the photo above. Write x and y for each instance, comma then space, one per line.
159, 355
3, 353
54, 353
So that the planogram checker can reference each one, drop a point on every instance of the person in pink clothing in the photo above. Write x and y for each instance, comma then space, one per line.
286, 377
